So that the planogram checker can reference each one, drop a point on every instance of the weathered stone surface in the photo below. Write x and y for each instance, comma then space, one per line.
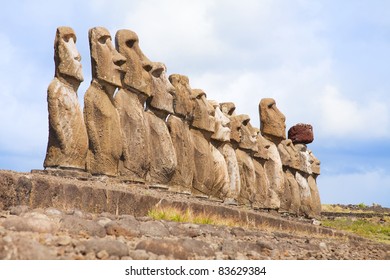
123, 227
21, 248
291, 199
305, 193
68, 141
289, 154
153, 228
315, 195
163, 160
301, 133
112, 247
40, 224
304, 159
203, 112
178, 125
101, 117
184, 149
274, 170
137, 77
272, 121
262, 184
233, 169
162, 90
183, 249
75, 225
246, 148
182, 103
315, 164
130, 102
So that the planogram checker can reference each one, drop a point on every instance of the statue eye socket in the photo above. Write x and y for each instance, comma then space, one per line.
67, 38
103, 39
130, 43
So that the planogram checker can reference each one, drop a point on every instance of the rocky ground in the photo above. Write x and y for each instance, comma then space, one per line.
50, 233
72, 216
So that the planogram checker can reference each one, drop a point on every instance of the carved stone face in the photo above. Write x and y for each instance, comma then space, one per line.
67, 57
262, 147
315, 163
137, 76
249, 135
182, 104
228, 108
289, 154
222, 130
163, 90
235, 127
106, 61
203, 111
272, 121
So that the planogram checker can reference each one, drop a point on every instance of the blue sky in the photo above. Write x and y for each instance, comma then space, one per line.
324, 62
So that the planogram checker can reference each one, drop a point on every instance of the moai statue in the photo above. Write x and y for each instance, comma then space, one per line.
220, 137
273, 128
101, 116
130, 102
179, 129
68, 141
310, 199
229, 152
247, 146
163, 160
266, 198
202, 127
309, 191
291, 200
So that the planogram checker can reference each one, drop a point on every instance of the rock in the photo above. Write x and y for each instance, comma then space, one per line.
18, 210
301, 134
40, 225
75, 225
163, 247
153, 228
63, 240
102, 255
121, 228
112, 247
139, 255
53, 212
21, 248
103, 221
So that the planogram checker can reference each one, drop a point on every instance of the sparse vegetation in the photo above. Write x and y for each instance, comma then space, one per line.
188, 216
377, 229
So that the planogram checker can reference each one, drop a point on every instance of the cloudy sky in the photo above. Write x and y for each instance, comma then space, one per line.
326, 63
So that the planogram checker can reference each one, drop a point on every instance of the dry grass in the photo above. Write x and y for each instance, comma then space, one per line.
338, 209
188, 216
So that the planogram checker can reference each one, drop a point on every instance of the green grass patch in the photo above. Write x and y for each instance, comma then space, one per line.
370, 228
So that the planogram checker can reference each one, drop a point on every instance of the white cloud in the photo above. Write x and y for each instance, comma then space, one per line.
345, 118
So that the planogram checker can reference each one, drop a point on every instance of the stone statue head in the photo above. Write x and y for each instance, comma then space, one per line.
236, 122
222, 130
315, 163
272, 121
203, 111
182, 103
137, 67
66, 56
228, 108
162, 89
289, 154
248, 136
105, 59
305, 162
262, 146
